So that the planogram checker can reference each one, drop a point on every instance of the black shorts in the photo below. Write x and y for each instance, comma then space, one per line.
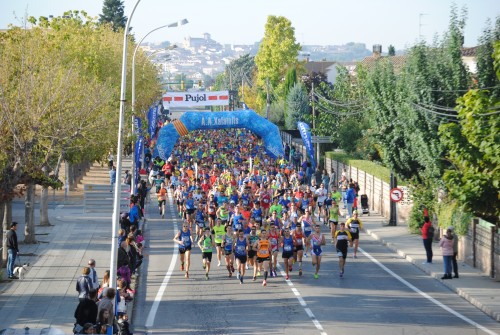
242, 258
287, 254
179, 202
262, 260
320, 204
212, 216
252, 253
355, 236
190, 211
342, 252
207, 256
161, 202
299, 247
167, 176
333, 222
219, 244
183, 250
228, 252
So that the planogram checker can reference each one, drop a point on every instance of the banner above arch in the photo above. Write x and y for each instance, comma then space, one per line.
248, 119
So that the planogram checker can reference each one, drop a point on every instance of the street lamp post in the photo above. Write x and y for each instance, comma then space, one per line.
119, 149
171, 25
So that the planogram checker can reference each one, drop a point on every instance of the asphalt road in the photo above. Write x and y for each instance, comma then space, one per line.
379, 294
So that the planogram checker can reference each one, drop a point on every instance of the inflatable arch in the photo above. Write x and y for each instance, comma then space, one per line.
248, 119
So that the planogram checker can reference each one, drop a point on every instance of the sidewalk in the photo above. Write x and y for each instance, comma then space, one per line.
47, 297
473, 285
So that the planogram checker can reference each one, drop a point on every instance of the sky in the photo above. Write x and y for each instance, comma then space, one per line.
317, 22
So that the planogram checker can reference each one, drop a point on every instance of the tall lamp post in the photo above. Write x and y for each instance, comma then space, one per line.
171, 25
119, 149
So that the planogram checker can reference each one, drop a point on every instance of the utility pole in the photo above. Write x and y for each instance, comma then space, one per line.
268, 100
242, 87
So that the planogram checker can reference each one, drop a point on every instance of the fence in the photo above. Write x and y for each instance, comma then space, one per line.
480, 248
376, 189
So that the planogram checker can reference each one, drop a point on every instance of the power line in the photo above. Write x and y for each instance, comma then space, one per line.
437, 114
443, 108
467, 90
339, 103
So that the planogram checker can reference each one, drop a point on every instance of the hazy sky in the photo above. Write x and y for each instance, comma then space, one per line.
397, 22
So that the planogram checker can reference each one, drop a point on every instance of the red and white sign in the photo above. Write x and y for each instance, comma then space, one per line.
194, 99
396, 194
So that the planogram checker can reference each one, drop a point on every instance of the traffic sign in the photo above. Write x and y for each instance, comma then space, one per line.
396, 194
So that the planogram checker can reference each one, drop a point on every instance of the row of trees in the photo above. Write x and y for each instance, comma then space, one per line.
59, 100
428, 118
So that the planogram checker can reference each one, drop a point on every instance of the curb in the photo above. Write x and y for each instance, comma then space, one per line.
462, 293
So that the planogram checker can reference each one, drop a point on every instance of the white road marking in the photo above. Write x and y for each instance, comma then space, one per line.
154, 308
303, 303
425, 295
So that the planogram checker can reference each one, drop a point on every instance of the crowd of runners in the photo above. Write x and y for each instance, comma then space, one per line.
250, 209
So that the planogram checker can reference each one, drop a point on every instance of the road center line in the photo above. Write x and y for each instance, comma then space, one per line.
425, 295
302, 302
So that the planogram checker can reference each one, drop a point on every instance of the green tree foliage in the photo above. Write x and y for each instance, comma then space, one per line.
485, 68
298, 108
113, 13
391, 50
278, 51
474, 150
290, 80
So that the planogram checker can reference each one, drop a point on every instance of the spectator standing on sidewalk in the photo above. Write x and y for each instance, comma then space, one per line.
349, 199
427, 237
112, 177
455, 251
93, 274
111, 159
446, 244
12, 250
86, 311
84, 284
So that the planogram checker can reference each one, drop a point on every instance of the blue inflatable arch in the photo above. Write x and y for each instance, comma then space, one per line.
248, 119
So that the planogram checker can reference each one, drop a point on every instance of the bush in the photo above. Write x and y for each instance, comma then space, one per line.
423, 197
450, 213
372, 168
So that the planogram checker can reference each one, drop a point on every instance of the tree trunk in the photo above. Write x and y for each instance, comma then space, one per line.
6, 220
29, 215
44, 207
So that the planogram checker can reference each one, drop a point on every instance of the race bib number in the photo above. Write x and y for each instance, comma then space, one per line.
287, 248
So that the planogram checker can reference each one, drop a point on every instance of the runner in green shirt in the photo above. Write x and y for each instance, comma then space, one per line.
206, 244
219, 231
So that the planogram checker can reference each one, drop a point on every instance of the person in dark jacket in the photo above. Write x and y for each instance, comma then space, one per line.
12, 249
84, 284
86, 311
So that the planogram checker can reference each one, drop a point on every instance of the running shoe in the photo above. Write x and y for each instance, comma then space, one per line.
241, 279
316, 276
186, 275
232, 268
162, 216
230, 274
206, 276
354, 256
287, 277
300, 272
341, 274
182, 267
275, 275
258, 273
305, 254
264, 283
254, 278
290, 268
238, 276
246, 266
218, 264
204, 266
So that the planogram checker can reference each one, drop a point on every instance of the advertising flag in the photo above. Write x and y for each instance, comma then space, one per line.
305, 133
